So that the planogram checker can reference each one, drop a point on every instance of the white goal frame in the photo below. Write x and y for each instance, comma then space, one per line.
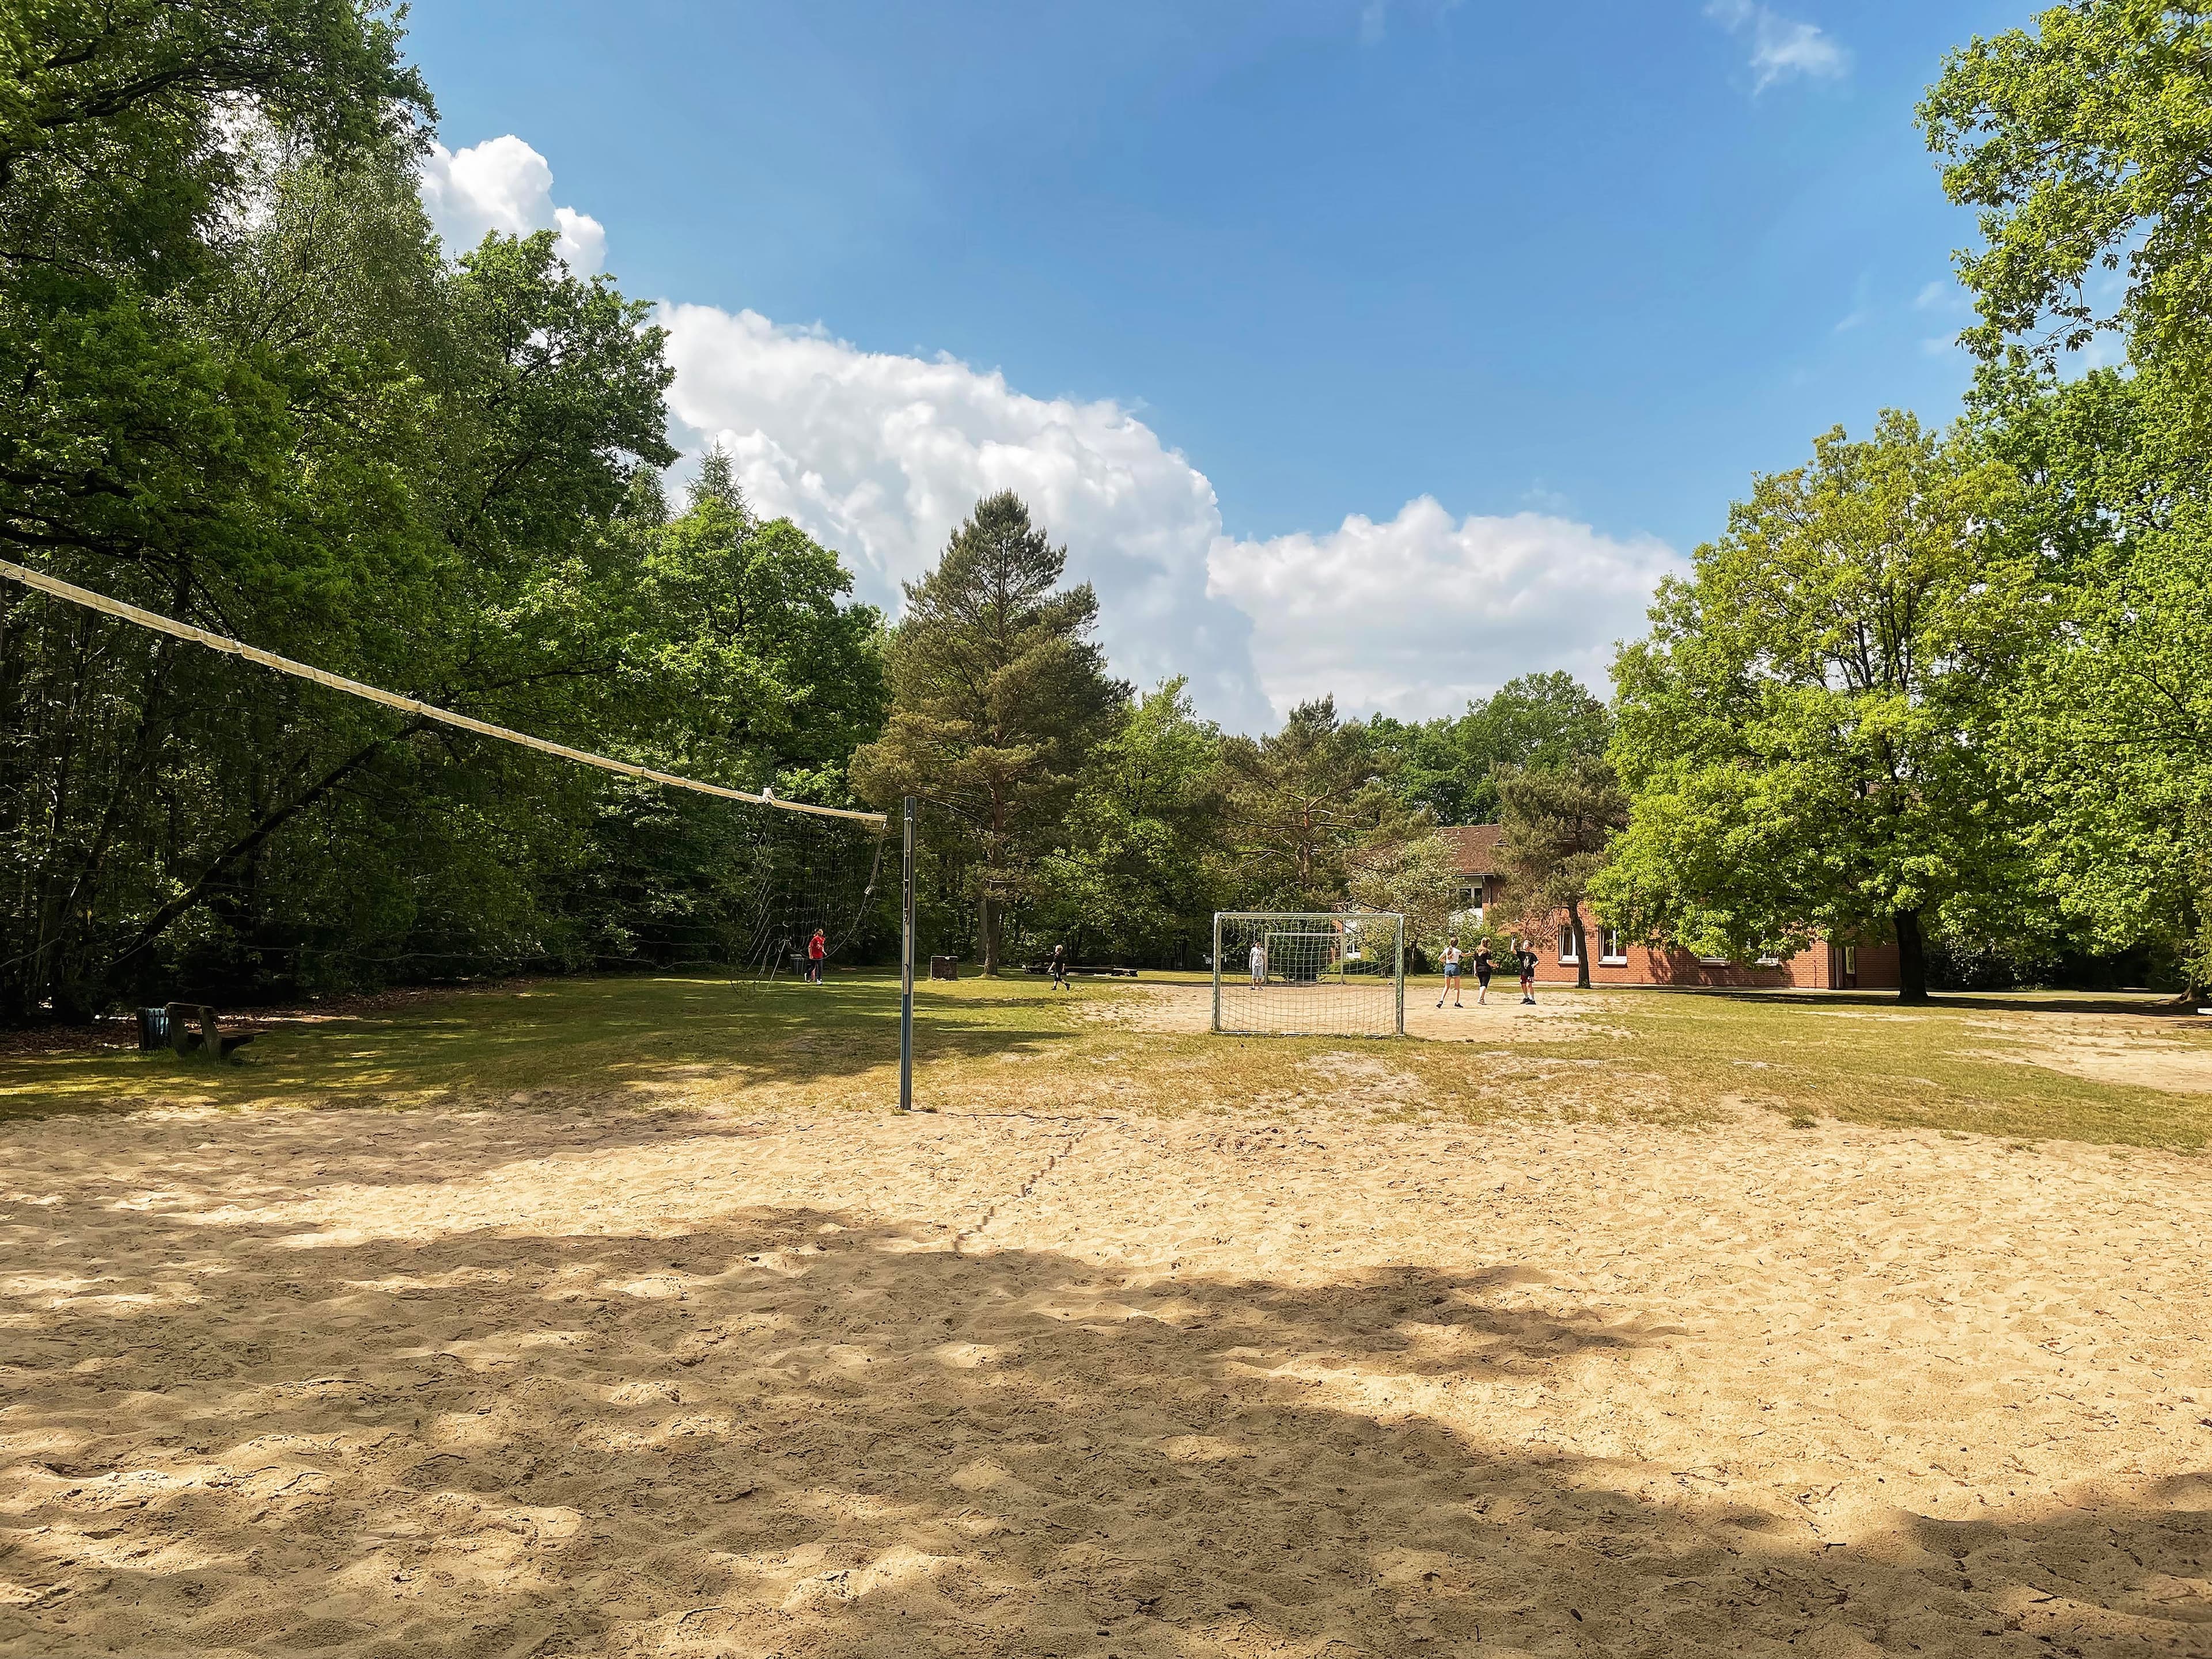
1356, 986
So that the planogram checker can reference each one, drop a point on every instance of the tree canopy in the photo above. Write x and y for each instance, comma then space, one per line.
998, 695
1806, 731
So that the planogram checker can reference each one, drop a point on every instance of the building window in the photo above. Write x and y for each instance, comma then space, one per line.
1715, 962
1612, 950
1567, 957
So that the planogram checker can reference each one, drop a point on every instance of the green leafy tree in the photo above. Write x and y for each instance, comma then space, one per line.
999, 693
1449, 765
1559, 823
1805, 734
1142, 867
2084, 141
244, 388
750, 655
1416, 876
1304, 803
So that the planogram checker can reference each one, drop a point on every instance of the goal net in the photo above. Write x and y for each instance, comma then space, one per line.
1311, 974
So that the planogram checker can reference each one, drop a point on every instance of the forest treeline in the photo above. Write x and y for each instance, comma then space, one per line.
1948, 687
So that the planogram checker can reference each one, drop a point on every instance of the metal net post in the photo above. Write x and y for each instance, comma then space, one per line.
1398, 952
1217, 975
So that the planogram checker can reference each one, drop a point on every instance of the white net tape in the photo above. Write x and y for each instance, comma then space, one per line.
161, 624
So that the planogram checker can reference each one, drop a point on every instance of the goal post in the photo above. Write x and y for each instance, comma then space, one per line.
1282, 972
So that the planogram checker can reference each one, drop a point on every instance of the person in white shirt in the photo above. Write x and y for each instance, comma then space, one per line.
1258, 963
1451, 976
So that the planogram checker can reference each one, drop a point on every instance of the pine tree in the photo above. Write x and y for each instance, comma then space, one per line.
997, 694
1558, 823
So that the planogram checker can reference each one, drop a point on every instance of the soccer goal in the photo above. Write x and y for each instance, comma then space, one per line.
1314, 974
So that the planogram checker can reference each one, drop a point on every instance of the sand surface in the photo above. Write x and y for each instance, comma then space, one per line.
580, 1380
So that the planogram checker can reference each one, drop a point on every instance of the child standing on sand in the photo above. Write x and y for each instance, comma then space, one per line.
1527, 972
1483, 969
1451, 976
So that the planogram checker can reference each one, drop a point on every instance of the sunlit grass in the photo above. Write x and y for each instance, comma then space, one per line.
1014, 1045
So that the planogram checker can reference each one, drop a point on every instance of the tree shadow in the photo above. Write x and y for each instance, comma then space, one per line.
802, 1431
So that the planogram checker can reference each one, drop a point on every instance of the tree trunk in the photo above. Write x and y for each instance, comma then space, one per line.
158, 923
1582, 947
988, 920
1912, 958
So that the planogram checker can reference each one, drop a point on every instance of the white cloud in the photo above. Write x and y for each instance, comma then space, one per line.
504, 184
1419, 615
1780, 46
880, 455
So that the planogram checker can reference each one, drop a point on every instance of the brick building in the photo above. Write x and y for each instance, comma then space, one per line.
1616, 961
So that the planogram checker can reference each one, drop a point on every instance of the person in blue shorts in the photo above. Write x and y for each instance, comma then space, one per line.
1451, 976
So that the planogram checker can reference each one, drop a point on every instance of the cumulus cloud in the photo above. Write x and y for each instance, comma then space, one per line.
1780, 46
1419, 615
880, 455
504, 184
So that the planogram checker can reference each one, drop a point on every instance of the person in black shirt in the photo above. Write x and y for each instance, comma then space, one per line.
1528, 971
1483, 969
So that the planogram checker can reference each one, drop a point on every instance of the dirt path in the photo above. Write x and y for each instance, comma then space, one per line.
371, 1385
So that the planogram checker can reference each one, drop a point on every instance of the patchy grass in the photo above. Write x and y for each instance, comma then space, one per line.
1989, 1066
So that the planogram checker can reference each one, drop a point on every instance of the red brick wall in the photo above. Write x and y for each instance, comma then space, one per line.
1817, 968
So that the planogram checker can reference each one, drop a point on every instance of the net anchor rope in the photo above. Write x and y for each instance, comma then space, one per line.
161, 624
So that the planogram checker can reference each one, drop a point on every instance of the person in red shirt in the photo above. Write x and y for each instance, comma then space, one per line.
817, 949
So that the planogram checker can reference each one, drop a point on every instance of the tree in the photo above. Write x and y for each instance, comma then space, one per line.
1141, 867
2085, 143
1304, 803
1449, 765
2107, 736
1559, 823
1805, 735
756, 666
1416, 876
244, 388
999, 693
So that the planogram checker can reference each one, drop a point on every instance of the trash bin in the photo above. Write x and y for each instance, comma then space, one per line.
152, 1028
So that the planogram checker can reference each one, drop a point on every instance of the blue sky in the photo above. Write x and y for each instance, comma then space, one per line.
1593, 263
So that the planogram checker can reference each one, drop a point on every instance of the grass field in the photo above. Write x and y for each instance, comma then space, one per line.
621, 1317
2107, 1069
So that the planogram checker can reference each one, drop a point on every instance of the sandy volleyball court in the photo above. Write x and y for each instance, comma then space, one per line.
589, 1380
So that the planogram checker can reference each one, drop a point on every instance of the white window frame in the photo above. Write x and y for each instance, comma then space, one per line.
1715, 962
1612, 951
1568, 958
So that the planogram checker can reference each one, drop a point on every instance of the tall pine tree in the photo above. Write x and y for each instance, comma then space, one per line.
997, 694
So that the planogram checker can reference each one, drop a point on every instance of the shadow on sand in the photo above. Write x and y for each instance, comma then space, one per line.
806, 1433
